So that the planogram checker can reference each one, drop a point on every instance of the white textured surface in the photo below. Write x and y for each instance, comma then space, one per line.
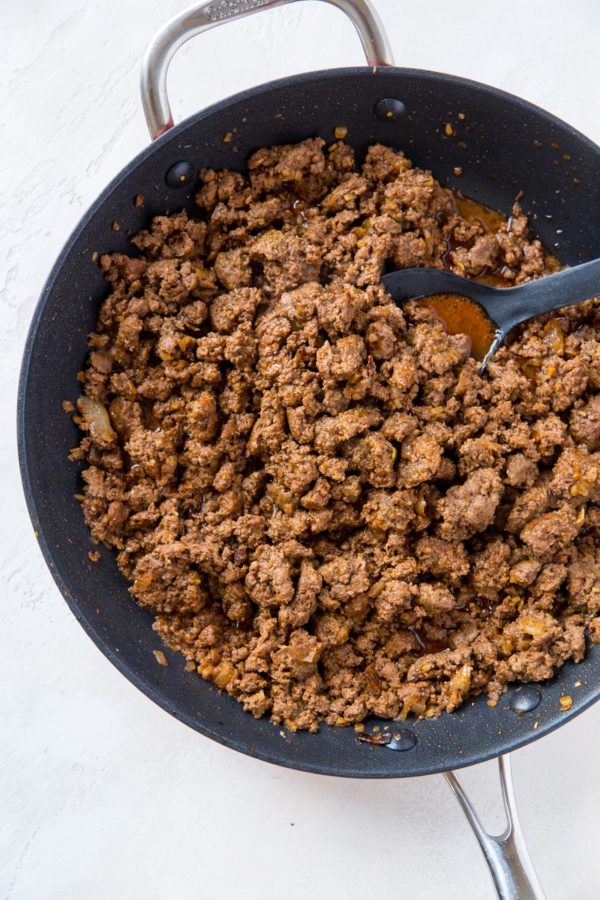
102, 795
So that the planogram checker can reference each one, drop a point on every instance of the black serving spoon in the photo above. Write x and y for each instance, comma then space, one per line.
503, 307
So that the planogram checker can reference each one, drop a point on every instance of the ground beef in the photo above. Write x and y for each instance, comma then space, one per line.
328, 509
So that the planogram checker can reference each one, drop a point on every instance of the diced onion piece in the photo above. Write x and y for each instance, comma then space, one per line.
414, 703
97, 419
461, 681
143, 583
554, 337
532, 625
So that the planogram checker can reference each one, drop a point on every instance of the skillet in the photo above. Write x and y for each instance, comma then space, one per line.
503, 145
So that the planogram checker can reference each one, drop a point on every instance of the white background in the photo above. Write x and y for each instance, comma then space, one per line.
103, 795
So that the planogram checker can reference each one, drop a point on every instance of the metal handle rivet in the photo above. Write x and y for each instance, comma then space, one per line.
180, 174
389, 109
525, 699
400, 739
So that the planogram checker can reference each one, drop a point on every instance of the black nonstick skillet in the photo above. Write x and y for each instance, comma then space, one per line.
502, 145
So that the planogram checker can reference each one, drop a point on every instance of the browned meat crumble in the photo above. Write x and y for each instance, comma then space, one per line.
325, 506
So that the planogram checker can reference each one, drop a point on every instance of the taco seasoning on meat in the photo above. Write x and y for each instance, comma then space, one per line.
326, 507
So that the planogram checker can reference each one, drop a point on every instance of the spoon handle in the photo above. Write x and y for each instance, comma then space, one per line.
546, 294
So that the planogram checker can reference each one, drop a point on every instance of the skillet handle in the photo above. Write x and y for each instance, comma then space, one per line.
506, 854
211, 13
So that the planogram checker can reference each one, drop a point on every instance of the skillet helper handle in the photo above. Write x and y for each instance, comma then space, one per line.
506, 854
211, 13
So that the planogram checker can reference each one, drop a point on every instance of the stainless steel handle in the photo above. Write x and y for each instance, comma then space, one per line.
211, 13
506, 854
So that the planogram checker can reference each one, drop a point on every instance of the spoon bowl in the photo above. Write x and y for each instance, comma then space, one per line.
504, 307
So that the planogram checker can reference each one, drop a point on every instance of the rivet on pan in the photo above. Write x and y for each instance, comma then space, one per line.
525, 699
389, 109
401, 739
180, 174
